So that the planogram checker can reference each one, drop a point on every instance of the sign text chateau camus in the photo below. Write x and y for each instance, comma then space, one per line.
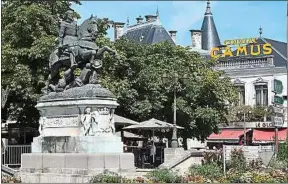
255, 49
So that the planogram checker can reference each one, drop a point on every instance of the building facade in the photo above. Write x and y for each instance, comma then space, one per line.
252, 73
253, 76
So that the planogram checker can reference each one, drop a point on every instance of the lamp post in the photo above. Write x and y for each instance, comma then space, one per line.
245, 114
175, 78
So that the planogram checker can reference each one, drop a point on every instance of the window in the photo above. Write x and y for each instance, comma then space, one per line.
241, 95
261, 95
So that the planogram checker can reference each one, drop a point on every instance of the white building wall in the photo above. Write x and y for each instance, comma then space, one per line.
249, 76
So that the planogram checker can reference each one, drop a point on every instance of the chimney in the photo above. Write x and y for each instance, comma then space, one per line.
173, 35
118, 29
139, 20
151, 18
196, 38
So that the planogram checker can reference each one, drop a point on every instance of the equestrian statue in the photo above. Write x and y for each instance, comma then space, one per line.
76, 48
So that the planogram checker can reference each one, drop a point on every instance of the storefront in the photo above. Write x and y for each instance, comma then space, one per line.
228, 137
267, 136
254, 136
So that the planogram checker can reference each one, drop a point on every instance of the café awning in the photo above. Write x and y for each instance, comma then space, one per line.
227, 135
129, 135
268, 135
120, 120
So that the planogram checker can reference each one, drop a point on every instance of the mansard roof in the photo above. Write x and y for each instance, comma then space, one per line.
279, 51
148, 33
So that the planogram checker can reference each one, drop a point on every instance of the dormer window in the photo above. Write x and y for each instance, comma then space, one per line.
141, 38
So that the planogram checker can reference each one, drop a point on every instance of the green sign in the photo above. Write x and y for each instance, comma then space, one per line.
277, 86
278, 100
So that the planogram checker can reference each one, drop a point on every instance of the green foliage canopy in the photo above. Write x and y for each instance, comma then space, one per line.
29, 30
136, 81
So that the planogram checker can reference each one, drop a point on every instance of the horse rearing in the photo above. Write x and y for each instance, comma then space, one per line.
83, 51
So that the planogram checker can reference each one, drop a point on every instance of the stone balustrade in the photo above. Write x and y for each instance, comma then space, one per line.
245, 62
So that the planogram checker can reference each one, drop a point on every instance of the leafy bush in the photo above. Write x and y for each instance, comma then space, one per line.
262, 177
280, 176
164, 175
213, 157
255, 164
107, 177
258, 113
234, 176
193, 179
137, 180
10, 179
237, 160
277, 164
210, 171
283, 152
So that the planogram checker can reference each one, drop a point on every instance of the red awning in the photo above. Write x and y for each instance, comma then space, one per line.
226, 134
268, 135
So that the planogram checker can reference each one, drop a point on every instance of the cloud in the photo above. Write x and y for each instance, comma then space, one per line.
186, 14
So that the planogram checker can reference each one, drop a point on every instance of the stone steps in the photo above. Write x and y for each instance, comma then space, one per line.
171, 163
8, 170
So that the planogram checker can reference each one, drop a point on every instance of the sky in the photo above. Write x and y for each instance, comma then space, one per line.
233, 19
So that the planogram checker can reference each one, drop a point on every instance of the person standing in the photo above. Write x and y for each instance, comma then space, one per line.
152, 153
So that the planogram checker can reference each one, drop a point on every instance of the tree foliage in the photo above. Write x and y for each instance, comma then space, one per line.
252, 114
29, 30
136, 81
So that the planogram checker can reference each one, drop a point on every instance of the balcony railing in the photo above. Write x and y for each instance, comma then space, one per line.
245, 62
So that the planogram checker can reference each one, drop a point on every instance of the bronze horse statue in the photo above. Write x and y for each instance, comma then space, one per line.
83, 53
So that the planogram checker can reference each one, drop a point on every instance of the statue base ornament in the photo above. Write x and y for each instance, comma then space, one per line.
77, 134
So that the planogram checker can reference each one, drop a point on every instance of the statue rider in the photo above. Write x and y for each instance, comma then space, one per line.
68, 37
67, 40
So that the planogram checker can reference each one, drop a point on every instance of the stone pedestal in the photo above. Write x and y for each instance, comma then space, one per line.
77, 136
72, 167
77, 144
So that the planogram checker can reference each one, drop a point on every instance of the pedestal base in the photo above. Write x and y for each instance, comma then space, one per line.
77, 144
72, 167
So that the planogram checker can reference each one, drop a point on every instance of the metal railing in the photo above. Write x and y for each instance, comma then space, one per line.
12, 154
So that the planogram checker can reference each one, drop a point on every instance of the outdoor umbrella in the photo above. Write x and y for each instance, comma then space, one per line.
153, 124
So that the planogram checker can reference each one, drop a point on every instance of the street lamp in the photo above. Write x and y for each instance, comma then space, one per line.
175, 78
243, 114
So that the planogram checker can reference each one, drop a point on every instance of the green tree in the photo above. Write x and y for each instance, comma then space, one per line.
136, 81
29, 30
